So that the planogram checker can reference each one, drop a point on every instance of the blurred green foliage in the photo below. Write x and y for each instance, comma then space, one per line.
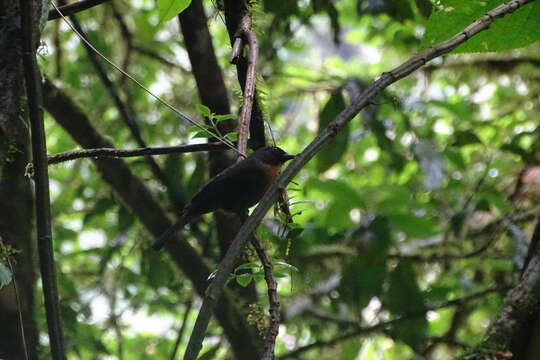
390, 205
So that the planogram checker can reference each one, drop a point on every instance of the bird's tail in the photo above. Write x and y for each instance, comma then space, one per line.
160, 242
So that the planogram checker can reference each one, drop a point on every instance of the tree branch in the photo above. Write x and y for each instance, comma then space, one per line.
245, 35
120, 153
236, 12
521, 302
41, 177
386, 79
273, 301
74, 8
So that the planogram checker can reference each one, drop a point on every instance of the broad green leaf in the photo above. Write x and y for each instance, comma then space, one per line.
201, 134
404, 298
294, 233
287, 266
223, 117
232, 136
204, 110
332, 153
248, 265
5, 275
281, 273
515, 30
243, 279
168, 9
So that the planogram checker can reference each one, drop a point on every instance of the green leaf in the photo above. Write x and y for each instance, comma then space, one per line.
249, 265
332, 153
5, 275
404, 298
223, 117
201, 134
364, 276
244, 279
414, 226
168, 9
294, 233
515, 30
288, 266
232, 136
281, 273
204, 110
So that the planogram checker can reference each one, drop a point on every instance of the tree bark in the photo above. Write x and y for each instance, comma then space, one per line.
16, 200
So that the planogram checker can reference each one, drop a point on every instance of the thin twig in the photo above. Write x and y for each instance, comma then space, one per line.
273, 301
235, 14
120, 153
41, 179
155, 56
74, 8
244, 35
386, 79
19, 307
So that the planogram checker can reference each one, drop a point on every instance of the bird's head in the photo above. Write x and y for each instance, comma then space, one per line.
272, 155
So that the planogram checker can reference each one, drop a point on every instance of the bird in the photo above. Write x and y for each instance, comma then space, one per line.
235, 189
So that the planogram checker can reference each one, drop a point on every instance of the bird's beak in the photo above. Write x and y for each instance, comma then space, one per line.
288, 157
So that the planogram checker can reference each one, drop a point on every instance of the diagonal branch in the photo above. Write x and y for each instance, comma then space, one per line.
386, 79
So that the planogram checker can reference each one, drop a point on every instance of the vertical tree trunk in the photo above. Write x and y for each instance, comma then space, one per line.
16, 205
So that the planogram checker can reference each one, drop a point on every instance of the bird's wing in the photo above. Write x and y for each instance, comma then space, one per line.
231, 189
